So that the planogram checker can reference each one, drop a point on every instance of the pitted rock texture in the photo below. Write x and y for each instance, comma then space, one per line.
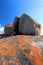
21, 50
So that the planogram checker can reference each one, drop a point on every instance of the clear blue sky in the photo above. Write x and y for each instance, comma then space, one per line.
11, 8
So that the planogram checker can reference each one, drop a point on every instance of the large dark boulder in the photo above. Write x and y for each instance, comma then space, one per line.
16, 25
28, 26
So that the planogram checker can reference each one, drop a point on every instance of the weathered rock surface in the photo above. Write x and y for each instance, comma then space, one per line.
16, 25
21, 50
23, 25
8, 29
28, 26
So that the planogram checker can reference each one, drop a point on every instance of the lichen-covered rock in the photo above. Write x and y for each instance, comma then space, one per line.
8, 29
21, 50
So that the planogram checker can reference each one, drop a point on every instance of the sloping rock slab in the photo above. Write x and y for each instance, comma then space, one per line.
21, 50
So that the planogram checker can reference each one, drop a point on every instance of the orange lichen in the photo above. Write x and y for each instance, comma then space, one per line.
11, 46
9, 25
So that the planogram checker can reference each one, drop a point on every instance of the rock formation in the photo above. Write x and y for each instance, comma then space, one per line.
28, 26
17, 47
8, 29
21, 50
16, 25
24, 25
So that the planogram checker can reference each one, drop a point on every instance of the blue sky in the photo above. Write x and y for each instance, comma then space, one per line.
11, 8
